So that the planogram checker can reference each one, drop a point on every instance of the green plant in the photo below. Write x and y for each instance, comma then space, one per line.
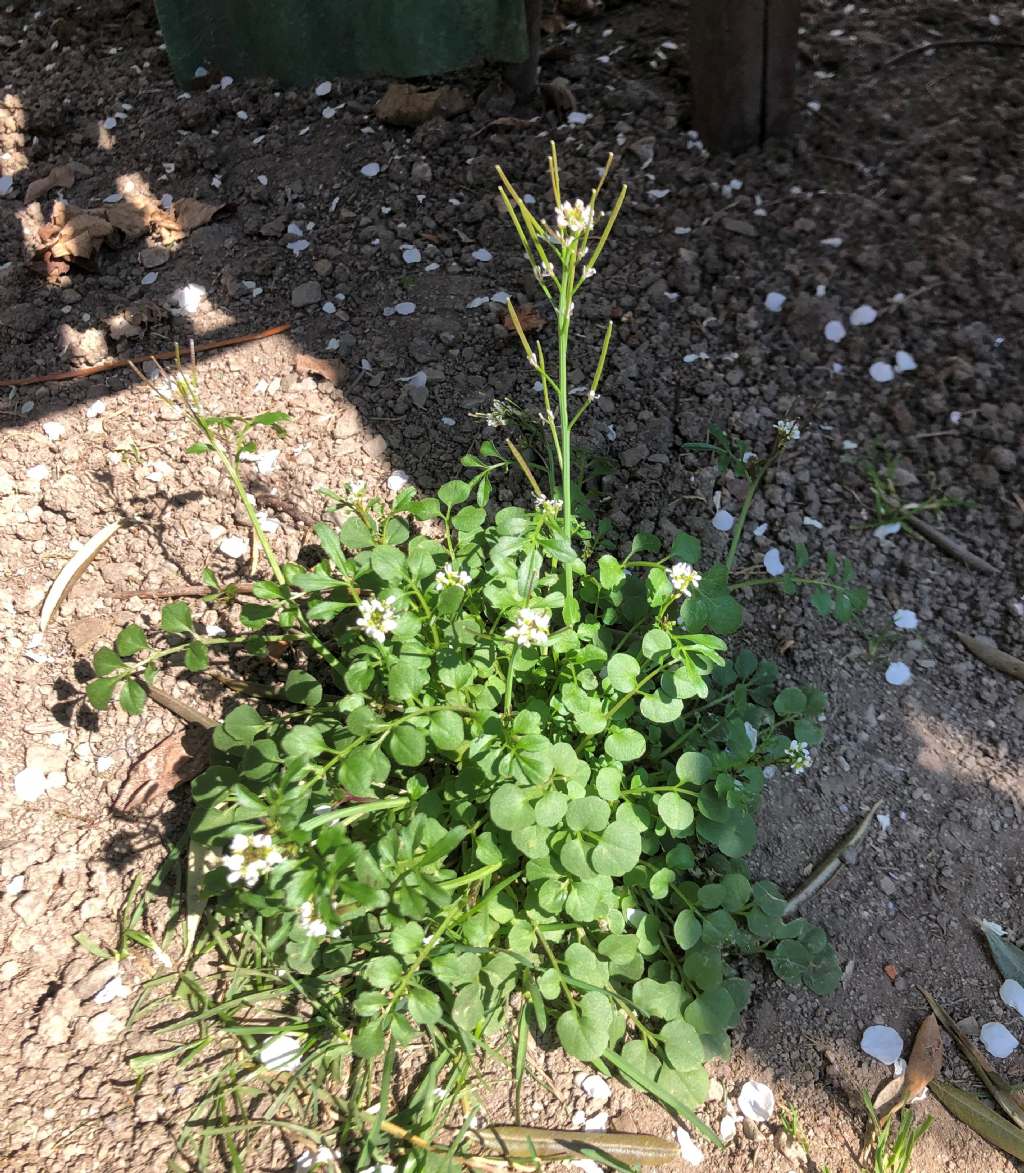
506, 784
889, 508
892, 1153
789, 1118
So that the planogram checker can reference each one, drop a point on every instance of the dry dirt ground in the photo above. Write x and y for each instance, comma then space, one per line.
899, 189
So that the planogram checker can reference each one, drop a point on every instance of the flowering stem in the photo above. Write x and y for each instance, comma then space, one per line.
564, 317
510, 679
741, 521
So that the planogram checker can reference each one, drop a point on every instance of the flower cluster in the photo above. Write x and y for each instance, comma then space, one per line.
530, 629
683, 578
574, 219
377, 617
788, 430
448, 576
313, 925
552, 506
798, 756
248, 857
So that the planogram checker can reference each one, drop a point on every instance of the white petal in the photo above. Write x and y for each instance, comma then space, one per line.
53, 429
323, 89
761, 530
997, 1040
577, 118
905, 361
898, 673
596, 1123
417, 381
404, 308
863, 315
887, 530
483, 254
829, 241
30, 784
398, 480
905, 620
595, 1087
688, 1149
835, 331
1012, 993
885, 822
756, 1101
882, 1043
281, 1053
773, 562
881, 372
234, 547
115, 988
370, 170
723, 521
774, 301
813, 522
411, 255
727, 1129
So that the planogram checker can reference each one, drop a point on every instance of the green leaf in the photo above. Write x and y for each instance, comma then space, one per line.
388, 563
791, 702
685, 548
702, 965
1008, 957
589, 813
424, 1006
132, 697
105, 661
725, 615
176, 619
314, 580
406, 677
693, 768
711, 1012
243, 723
624, 744
550, 810
407, 746
510, 808
977, 1115
303, 742
682, 1045
658, 999
453, 493
584, 1032
469, 519
468, 1008
675, 812
619, 849
687, 929
382, 971
622, 672
100, 691
735, 891
130, 639
584, 966
609, 571
657, 640
197, 658
447, 730
735, 838
302, 688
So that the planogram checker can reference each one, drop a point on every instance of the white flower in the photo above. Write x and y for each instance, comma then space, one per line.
312, 925
798, 756
550, 505
683, 578
377, 617
788, 430
248, 857
530, 629
574, 219
449, 576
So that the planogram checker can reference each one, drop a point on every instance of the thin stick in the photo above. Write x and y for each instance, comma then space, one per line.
948, 545
993, 657
114, 364
179, 708
964, 44
184, 591
830, 864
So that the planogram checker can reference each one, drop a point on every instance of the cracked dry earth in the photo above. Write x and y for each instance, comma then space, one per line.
899, 190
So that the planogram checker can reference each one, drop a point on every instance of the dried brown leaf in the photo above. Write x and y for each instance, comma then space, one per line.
63, 175
190, 214
529, 318
925, 1060
322, 368
177, 759
405, 105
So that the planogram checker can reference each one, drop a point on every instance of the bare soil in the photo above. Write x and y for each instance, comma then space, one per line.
899, 188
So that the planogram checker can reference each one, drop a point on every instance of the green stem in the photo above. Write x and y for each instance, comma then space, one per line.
510, 678
741, 521
564, 320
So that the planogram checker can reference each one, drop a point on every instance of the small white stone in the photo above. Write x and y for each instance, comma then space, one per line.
832, 241
688, 1148
756, 1101
881, 372
882, 1043
1012, 993
904, 619
30, 784
761, 530
37, 473
234, 547
997, 1040
328, 112
262, 180
812, 522
53, 429
863, 315
370, 170
596, 1087
398, 480
411, 255
888, 529
723, 521
885, 822
115, 988
201, 71
898, 674
577, 118
15, 885
189, 297
596, 1123
773, 562
264, 460
329, 307
835, 331
774, 301
905, 361
241, 115
226, 80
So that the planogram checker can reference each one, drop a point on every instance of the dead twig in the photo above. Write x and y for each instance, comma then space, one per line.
947, 544
114, 364
180, 709
185, 590
954, 44
993, 657
831, 864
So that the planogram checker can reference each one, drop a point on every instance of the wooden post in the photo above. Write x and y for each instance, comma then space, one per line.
742, 69
523, 76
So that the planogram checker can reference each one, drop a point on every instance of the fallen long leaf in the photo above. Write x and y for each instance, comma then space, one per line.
200, 860
948, 545
831, 863
178, 758
523, 1144
1004, 1093
1009, 958
993, 657
73, 570
925, 1060
987, 1124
